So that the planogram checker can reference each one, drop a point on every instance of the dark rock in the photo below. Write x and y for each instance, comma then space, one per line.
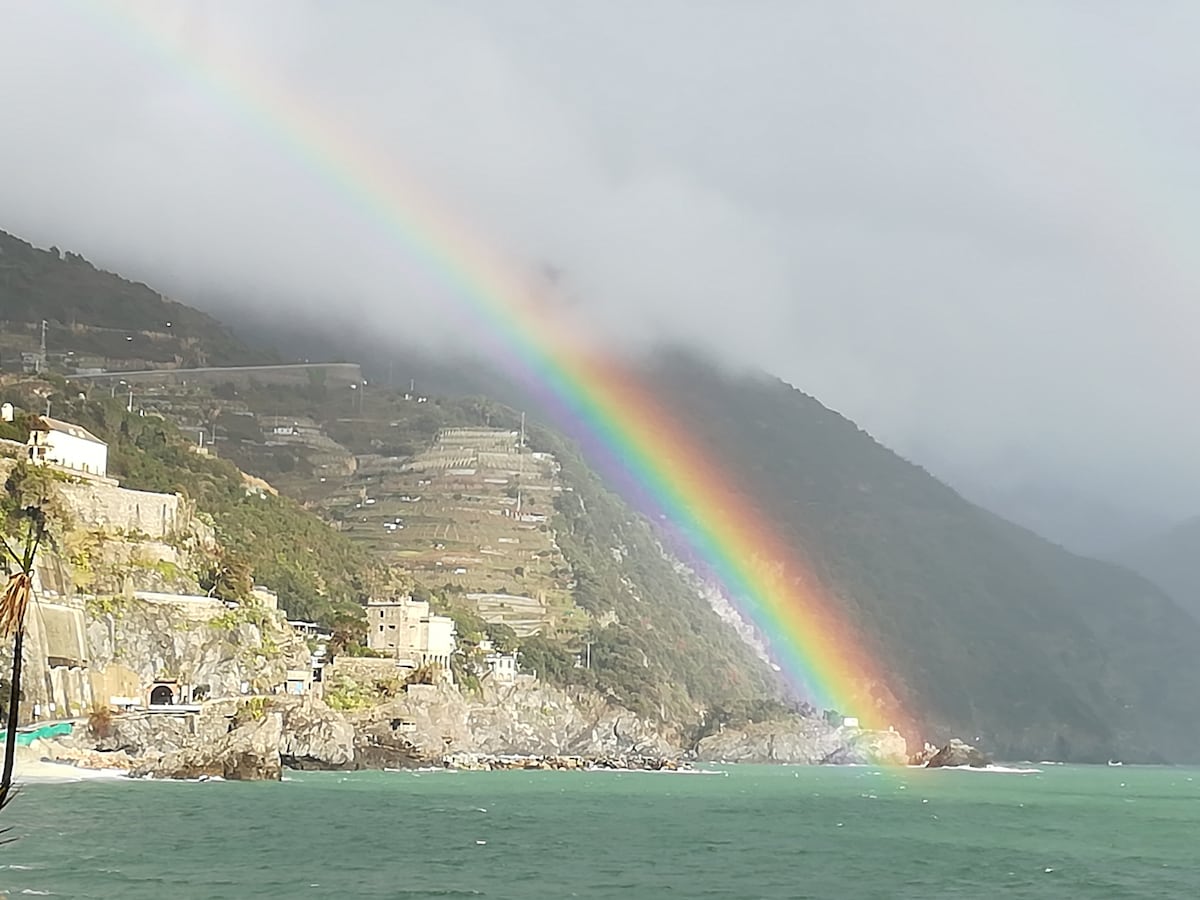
959, 753
383, 746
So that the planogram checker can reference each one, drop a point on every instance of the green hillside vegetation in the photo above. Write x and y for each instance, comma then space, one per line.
92, 312
1172, 561
988, 630
667, 653
667, 647
271, 540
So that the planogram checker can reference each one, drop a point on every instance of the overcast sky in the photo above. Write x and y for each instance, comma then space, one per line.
968, 226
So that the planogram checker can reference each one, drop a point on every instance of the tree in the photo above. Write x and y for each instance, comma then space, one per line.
229, 578
30, 497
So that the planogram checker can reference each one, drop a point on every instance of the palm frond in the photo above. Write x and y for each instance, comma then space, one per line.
14, 603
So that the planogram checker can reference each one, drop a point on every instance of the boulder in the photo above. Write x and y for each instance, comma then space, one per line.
314, 736
959, 753
924, 755
381, 745
140, 733
248, 753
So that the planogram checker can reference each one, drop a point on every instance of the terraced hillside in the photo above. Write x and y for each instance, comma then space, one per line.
469, 516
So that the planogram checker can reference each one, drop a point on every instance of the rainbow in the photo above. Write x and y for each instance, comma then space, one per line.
601, 399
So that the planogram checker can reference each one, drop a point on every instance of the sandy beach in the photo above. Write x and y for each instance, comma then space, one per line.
30, 769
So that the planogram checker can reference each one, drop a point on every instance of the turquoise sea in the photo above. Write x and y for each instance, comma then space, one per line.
747, 832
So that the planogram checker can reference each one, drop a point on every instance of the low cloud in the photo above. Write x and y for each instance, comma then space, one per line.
969, 231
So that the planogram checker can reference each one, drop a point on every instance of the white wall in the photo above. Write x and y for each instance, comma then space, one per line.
71, 452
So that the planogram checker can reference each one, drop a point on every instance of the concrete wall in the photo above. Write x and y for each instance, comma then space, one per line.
56, 682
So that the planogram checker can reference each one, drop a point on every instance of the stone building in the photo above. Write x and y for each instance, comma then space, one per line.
406, 630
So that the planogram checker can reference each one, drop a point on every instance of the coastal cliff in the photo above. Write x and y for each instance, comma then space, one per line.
437, 725
803, 741
523, 719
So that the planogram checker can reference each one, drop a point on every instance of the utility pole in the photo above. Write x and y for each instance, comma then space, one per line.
41, 363
521, 458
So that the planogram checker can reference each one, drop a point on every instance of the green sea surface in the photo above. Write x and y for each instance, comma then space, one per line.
746, 832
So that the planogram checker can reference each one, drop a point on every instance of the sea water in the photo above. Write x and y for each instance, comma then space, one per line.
745, 832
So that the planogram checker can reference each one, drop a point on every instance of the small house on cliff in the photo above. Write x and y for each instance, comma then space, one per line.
67, 446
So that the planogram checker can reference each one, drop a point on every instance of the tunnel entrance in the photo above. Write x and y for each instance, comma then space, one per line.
162, 695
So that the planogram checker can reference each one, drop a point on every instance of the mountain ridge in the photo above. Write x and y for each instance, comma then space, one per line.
988, 630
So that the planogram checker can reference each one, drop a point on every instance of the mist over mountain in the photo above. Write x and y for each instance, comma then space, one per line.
981, 627
1170, 558
940, 223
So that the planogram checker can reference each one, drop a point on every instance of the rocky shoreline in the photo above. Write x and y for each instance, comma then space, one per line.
531, 728
474, 762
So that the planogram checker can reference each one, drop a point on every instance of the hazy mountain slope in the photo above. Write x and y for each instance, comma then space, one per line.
1172, 561
989, 630
1083, 523
100, 314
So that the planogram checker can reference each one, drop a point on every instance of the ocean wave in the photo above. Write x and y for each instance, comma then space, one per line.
994, 769
657, 771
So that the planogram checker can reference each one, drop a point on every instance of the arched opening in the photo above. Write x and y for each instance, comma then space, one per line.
162, 695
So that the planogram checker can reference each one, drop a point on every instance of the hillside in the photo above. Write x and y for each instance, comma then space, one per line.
1172, 561
99, 317
988, 630
597, 579
268, 539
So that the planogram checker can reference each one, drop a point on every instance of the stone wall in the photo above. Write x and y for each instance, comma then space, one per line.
108, 508
364, 669
103, 505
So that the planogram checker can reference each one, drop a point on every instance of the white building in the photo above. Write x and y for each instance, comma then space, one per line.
57, 443
406, 629
503, 667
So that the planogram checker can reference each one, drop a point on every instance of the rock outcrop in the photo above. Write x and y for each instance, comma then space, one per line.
383, 744
197, 643
248, 753
803, 741
314, 736
959, 753
522, 719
